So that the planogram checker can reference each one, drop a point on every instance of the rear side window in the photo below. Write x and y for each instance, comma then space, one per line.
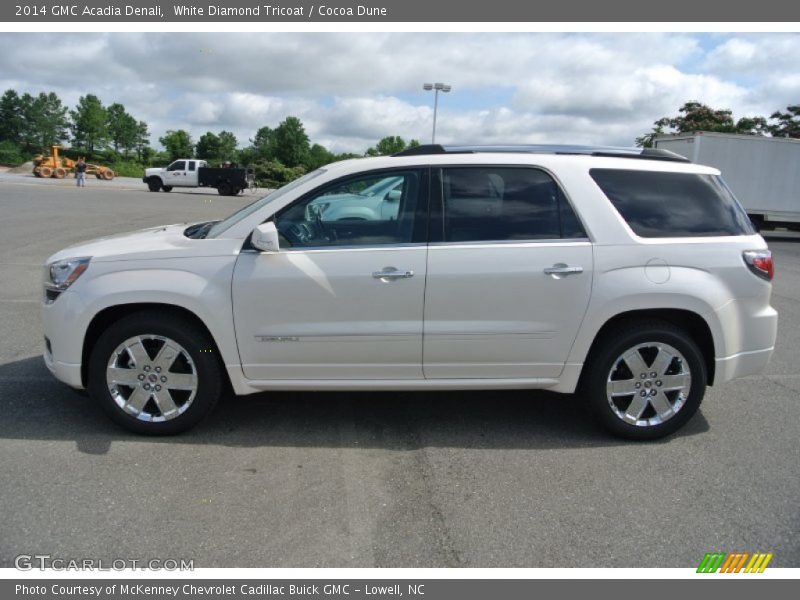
662, 204
503, 203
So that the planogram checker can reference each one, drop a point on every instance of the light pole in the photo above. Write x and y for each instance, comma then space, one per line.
437, 87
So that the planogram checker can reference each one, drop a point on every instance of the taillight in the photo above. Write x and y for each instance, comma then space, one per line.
760, 263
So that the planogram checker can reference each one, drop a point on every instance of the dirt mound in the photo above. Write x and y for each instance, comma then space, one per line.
23, 168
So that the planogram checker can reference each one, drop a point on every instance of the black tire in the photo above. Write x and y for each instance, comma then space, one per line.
639, 335
196, 343
224, 189
166, 188
154, 184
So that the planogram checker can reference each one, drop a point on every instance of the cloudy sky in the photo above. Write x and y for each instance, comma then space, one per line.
352, 89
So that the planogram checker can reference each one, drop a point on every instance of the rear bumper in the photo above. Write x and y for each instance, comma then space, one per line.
741, 364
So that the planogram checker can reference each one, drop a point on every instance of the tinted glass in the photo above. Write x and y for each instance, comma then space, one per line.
656, 204
191, 165
371, 210
248, 210
497, 204
178, 165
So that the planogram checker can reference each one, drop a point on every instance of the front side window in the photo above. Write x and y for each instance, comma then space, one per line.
664, 204
246, 211
178, 165
505, 204
375, 209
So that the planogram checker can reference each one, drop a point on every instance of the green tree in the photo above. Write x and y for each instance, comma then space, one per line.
318, 156
208, 147
217, 148
263, 144
389, 145
788, 123
273, 174
695, 116
89, 124
45, 121
227, 145
10, 154
291, 144
142, 142
12, 118
178, 144
122, 128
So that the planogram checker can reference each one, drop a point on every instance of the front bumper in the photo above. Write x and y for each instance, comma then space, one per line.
64, 330
66, 372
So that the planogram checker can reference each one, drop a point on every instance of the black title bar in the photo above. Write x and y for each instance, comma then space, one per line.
388, 11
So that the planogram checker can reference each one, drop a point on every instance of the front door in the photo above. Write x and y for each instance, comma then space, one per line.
343, 299
509, 275
177, 173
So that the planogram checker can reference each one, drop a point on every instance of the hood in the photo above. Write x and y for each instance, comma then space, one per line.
156, 242
153, 171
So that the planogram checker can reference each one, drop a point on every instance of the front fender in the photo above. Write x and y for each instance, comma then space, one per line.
205, 292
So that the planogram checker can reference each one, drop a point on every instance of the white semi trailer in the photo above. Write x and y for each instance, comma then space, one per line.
763, 172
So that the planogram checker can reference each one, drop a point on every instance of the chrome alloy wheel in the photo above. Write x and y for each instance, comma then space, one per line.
648, 384
152, 378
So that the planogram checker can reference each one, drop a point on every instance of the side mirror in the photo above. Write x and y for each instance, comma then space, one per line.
265, 237
394, 196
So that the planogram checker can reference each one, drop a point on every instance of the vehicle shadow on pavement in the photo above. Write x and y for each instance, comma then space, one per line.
36, 406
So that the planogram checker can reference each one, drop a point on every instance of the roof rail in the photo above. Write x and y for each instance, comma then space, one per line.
608, 151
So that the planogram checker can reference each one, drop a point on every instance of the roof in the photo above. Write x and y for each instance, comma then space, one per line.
606, 151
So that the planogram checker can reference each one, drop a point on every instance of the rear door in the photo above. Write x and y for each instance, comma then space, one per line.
509, 275
191, 173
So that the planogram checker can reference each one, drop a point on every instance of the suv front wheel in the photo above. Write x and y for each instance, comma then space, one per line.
155, 374
647, 381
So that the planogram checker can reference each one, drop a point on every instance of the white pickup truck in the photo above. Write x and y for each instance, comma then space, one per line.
191, 172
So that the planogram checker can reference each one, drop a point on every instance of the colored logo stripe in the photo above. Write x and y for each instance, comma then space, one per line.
758, 563
734, 562
711, 562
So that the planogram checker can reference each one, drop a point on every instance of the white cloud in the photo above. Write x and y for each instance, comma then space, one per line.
351, 89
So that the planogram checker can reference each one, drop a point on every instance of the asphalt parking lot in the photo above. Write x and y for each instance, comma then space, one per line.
480, 479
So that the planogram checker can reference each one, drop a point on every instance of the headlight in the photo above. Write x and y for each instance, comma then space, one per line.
63, 273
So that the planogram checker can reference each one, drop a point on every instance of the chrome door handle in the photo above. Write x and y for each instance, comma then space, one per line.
562, 269
390, 273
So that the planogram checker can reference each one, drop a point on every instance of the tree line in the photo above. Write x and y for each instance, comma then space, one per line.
695, 116
31, 124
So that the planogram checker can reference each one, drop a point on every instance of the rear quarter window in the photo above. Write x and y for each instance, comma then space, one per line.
663, 204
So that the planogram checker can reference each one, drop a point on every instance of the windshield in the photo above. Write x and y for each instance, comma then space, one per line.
248, 210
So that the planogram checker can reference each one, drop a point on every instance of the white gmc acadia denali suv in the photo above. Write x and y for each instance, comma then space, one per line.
630, 276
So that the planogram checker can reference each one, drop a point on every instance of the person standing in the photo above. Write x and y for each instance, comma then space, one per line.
80, 172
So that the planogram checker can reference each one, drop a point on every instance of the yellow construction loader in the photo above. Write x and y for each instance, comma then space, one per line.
59, 167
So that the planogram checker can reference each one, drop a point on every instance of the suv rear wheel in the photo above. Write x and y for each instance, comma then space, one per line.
647, 381
154, 374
